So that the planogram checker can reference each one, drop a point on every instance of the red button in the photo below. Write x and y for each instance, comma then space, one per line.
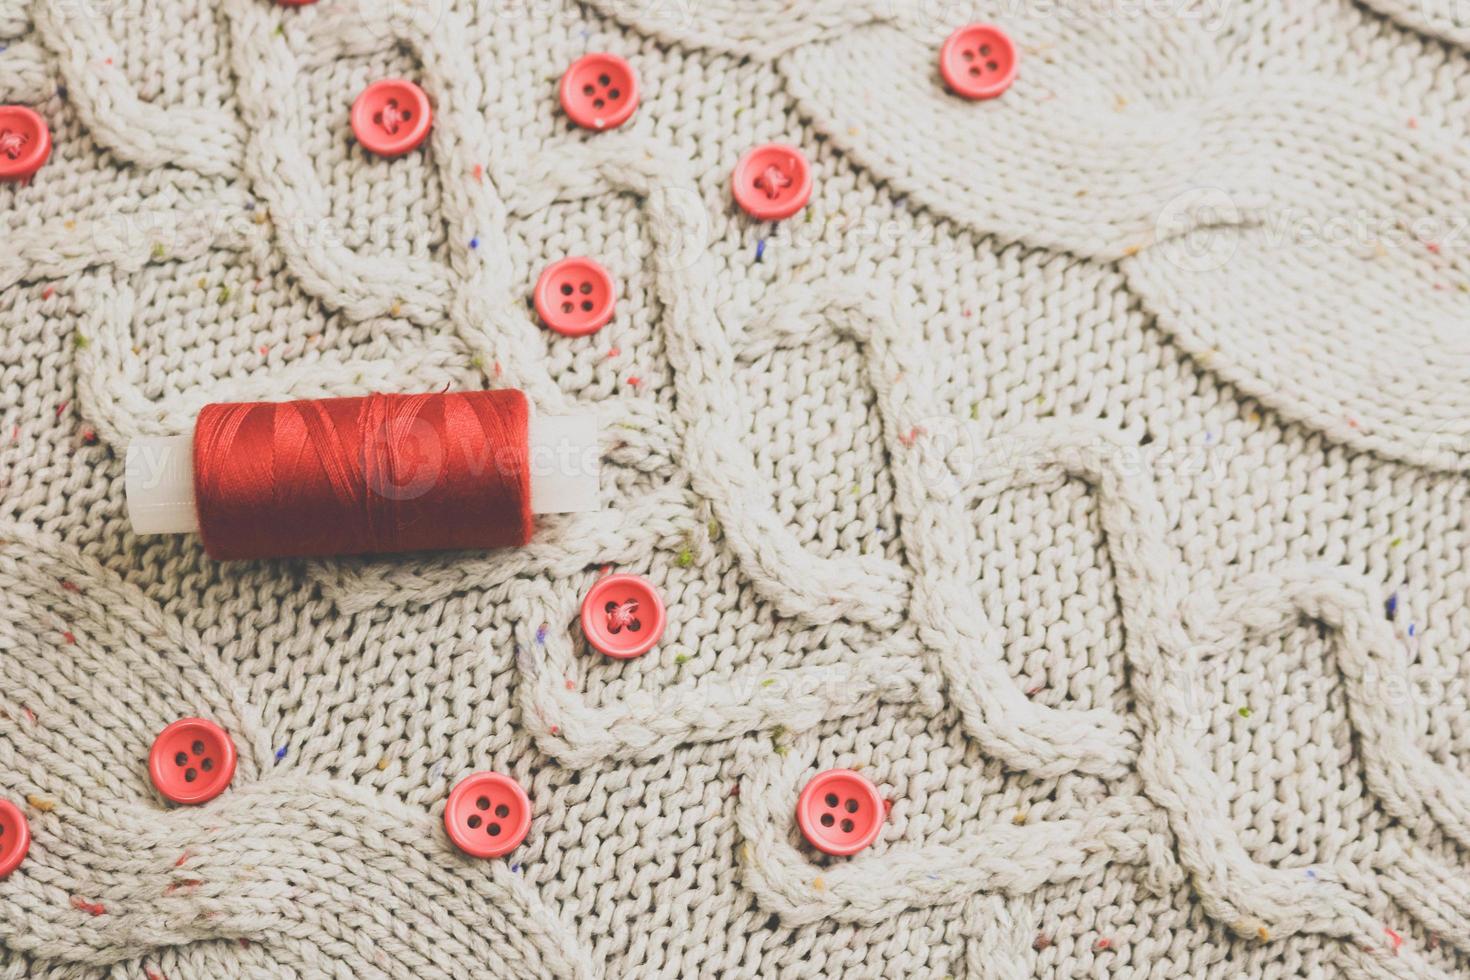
391, 117
15, 837
599, 91
840, 812
978, 61
25, 142
575, 297
192, 761
487, 814
772, 182
622, 616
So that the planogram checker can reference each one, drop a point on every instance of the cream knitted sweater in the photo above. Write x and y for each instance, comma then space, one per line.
1086, 467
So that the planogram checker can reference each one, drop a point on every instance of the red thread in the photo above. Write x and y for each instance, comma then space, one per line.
345, 476
91, 908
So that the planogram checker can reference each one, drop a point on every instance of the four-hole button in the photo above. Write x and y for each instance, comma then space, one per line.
391, 117
192, 761
15, 837
839, 812
599, 91
772, 182
622, 616
25, 142
487, 815
978, 61
575, 297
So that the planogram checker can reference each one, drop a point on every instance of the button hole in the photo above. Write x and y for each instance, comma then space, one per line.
566, 289
502, 811
603, 80
473, 821
847, 826
190, 775
389, 117
198, 748
620, 615
587, 305
828, 820
483, 803
12, 143
181, 759
831, 799
772, 181
586, 288
494, 829
852, 806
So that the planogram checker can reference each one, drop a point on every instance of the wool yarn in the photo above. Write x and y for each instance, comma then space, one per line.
1086, 467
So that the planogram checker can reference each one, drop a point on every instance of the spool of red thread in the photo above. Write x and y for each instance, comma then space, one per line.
377, 474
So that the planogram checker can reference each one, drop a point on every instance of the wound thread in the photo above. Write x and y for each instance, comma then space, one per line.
346, 476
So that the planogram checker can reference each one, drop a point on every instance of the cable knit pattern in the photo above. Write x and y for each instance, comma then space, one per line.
1086, 467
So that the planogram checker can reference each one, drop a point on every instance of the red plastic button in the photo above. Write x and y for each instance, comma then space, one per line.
575, 297
622, 616
192, 761
15, 837
487, 814
772, 182
391, 117
978, 61
840, 812
599, 91
25, 142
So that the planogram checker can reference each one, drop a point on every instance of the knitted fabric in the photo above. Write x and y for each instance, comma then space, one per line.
1086, 467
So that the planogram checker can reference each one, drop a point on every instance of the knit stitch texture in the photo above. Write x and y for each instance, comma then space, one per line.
1086, 467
